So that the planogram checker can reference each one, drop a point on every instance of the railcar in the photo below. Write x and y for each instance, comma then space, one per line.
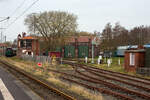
10, 52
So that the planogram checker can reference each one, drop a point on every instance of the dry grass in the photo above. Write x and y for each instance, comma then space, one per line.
53, 78
85, 93
77, 89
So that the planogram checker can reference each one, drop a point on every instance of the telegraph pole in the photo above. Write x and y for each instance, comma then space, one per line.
6, 18
5, 39
2, 34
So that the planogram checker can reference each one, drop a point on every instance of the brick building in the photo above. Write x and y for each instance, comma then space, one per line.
134, 59
28, 45
3, 47
78, 47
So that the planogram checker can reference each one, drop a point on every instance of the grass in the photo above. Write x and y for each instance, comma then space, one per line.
85, 93
115, 67
32, 68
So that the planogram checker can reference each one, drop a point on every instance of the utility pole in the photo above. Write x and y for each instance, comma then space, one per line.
2, 34
5, 39
6, 18
93, 43
1, 37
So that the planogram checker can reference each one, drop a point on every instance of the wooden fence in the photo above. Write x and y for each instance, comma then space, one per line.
143, 71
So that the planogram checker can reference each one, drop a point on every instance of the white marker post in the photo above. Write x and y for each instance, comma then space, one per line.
100, 57
109, 62
119, 61
86, 59
98, 61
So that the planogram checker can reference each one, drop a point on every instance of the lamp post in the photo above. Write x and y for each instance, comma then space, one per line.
92, 53
93, 42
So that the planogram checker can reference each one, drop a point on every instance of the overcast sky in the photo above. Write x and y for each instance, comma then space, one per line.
92, 14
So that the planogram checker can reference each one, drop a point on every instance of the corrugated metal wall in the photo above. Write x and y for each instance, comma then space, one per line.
147, 57
69, 51
83, 51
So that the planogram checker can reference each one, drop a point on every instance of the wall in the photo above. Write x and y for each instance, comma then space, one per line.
139, 61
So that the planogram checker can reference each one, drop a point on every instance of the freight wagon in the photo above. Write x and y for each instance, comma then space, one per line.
121, 49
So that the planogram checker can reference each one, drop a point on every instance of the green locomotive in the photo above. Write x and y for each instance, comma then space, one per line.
10, 52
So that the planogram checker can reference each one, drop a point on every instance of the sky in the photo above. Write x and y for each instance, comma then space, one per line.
92, 14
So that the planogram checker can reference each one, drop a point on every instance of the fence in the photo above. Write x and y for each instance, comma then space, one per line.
41, 59
143, 71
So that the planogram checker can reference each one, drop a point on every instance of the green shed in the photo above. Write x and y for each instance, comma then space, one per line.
69, 51
83, 51
147, 58
58, 49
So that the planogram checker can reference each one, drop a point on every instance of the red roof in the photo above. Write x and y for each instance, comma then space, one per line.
3, 45
82, 38
28, 37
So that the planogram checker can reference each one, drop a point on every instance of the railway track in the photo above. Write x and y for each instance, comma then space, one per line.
135, 79
143, 95
122, 80
116, 89
117, 73
42, 89
120, 75
101, 90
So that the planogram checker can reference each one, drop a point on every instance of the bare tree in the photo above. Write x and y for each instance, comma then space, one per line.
119, 36
53, 26
106, 43
112, 37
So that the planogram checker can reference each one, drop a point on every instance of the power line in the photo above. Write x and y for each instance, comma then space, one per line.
4, 19
22, 3
23, 13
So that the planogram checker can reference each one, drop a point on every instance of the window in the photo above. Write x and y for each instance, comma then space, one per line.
23, 43
28, 43
29, 53
132, 59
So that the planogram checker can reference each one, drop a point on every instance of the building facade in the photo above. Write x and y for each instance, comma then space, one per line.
3, 47
79, 47
28, 45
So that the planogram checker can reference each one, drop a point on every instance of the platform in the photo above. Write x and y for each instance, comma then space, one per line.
13, 89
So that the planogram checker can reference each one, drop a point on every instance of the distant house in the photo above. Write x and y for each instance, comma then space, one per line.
138, 60
3, 47
28, 45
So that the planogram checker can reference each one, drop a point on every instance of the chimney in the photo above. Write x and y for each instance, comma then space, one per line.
23, 34
19, 36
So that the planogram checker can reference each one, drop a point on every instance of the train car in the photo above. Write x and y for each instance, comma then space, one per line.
121, 49
10, 52
55, 54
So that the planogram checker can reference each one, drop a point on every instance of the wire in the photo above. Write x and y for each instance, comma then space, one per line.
18, 8
23, 13
4, 19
